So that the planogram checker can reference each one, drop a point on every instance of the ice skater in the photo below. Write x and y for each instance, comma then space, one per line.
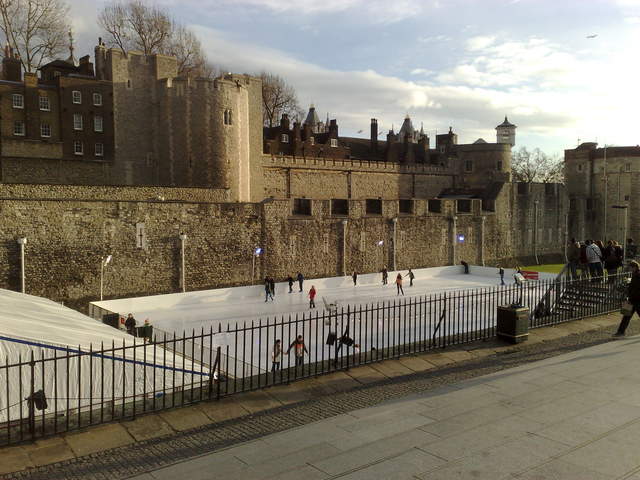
272, 286
399, 284
411, 277
300, 349
312, 296
385, 275
501, 273
276, 356
290, 282
267, 290
300, 280
354, 275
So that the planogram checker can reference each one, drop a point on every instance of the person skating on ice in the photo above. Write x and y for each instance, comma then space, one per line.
399, 284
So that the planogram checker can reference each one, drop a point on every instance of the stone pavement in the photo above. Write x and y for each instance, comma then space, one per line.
163, 425
573, 416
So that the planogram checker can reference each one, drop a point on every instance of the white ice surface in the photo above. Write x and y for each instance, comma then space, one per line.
180, 312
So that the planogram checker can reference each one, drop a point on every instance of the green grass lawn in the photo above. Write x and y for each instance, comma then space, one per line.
550, 268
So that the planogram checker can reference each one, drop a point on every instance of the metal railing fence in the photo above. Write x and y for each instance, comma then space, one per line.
83, 387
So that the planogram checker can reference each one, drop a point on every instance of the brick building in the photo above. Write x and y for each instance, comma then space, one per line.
57, 126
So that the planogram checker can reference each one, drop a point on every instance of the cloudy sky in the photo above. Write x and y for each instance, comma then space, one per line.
459, 63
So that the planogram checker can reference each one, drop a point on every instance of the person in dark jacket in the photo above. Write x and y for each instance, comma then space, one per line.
634, 298
290, 282
300, 280
272, 286
267, 290
612, 259
354, 275
385, 275
411, 277
130, 324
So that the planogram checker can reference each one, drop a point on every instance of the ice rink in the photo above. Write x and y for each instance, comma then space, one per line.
180, 312
241, 309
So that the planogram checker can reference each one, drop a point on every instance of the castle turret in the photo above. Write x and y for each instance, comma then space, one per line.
506, 132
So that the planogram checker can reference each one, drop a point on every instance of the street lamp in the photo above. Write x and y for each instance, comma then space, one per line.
104, 261
183, 238
22, 241
256, 253
624, 239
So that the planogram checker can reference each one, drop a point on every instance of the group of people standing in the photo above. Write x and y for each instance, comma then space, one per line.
589, 259
270, 288
385, 279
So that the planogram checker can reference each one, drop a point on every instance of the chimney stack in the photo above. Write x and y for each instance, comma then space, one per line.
374, 135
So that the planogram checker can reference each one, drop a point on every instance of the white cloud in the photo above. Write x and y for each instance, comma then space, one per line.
479, 42
421, 71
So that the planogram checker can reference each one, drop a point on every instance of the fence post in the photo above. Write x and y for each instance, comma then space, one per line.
32, 410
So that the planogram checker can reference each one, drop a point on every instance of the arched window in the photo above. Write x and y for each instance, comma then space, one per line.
226, 117
230, 117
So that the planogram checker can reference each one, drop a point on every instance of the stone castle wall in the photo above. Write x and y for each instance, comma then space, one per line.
68, 235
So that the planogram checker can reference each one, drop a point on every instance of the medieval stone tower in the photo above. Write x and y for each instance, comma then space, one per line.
181, 130
506, 132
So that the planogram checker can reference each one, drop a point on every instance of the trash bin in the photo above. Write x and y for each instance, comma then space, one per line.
513, 324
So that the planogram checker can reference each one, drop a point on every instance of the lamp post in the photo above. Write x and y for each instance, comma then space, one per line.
624, 241
395, 240
256, 253
344, 247
22, 241
535, 231
183, 238
380, 243
104, 261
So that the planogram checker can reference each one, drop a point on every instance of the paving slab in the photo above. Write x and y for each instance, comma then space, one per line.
99, 438
366, 374
14, 459
184, 418
148, 426
417, 364
392, 368
338, 381
257, 401
51, 450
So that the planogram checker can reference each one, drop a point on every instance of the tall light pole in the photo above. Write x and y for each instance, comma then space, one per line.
344, 247
104, 261
183, 238
395, 240
535, 231
624, 242
22, 241
256, 253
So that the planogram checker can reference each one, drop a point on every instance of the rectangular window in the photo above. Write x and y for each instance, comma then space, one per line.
488, 205
339, 207
76, 97
78, 148
45, 106
18, 128
579, 167
405, 206
302, 206
627, 167
284, 138
572, 204
373, 206
45, 130
589, 204
463, 206
312, 140
17, 100
468, 166
99, 149
523, 188
97, 123
499, 165
77, 121
97, 99
626, 198
334, 142
435, 206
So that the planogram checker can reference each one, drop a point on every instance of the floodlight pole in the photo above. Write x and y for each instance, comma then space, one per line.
22, 241
395, 238
624, 242
183, 238
103, 263
344, 247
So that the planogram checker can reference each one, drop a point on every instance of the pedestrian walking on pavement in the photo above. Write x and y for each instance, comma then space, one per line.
312, 296
399, 284
411, 277
290, 282
355, 278
300, 350
300, 280
267, 290
276, 356
633, 295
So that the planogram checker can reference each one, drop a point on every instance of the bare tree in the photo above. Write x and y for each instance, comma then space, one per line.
137, 25
35, 29
536, 166
278, 97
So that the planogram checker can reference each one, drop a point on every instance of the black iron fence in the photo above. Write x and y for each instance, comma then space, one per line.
55, 389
